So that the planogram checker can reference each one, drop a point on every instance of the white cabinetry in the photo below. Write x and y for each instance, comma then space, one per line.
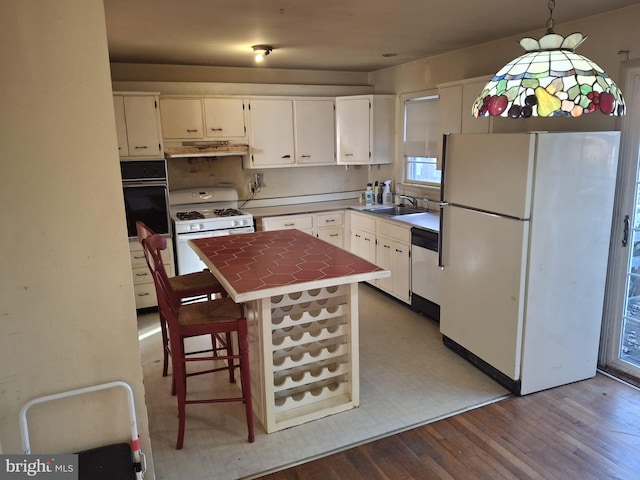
301, 222
186, 117
363, 236
315, 131
330, 227
393, 253
327, 226
286, 132
454, 110
224, 118
365, 129
387, 244
143, 287
138, 125
181, 118
271, 141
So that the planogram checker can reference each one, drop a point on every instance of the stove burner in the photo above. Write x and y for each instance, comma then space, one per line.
227, 212
189, 215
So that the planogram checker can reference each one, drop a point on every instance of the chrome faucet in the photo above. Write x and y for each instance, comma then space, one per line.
412, 200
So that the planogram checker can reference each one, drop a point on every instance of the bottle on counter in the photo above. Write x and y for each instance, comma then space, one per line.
368, 195
379, 195
387, 197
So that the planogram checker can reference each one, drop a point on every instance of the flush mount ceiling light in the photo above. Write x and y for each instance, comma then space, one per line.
550, 80
262, 51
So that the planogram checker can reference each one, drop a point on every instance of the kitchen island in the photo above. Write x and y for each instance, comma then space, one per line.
301, 303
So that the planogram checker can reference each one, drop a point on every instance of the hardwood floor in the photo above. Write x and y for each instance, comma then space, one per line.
588, 430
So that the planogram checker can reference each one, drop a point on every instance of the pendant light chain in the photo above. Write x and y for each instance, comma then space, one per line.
550, 21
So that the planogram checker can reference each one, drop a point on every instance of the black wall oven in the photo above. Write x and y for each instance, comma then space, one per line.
146, 195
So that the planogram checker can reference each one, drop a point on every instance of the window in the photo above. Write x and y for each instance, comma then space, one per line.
421, 141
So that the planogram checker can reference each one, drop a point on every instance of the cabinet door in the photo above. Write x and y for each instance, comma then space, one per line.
470, 124
401, 267
121, 125
224, 117
181, 118
271, 132
394, 256
141, 114
449, 114
363, 244
332, 235
315, 131
353, 123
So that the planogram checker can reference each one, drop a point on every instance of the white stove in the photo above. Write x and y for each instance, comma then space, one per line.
202, 213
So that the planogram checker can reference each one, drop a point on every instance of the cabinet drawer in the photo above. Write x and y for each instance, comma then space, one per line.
363, 221
394, 231
137, 256
141, 275
331, 219
145, 295
301, 222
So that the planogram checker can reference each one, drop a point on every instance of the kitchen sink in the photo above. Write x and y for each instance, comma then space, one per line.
394, 210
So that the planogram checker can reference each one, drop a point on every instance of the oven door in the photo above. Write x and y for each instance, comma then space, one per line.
186, 259
147, 202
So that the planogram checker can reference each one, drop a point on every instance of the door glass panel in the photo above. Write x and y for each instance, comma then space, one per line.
629, 350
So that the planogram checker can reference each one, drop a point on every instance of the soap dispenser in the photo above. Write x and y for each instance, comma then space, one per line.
368, 195
387, 197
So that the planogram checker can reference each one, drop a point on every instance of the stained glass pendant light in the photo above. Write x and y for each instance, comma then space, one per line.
550, 80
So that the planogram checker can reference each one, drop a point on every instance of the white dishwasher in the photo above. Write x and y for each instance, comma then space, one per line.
425, 273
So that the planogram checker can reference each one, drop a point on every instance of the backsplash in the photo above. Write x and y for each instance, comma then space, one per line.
276, 182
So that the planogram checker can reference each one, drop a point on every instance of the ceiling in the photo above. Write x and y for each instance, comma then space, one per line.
340, 35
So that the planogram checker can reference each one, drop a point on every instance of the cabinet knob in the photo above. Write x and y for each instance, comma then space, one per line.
216, 129
192, 130
141, 147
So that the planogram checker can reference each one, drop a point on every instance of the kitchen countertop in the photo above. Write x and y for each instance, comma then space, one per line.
427, 220
264, 264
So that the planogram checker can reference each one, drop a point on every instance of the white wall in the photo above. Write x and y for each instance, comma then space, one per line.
66, 296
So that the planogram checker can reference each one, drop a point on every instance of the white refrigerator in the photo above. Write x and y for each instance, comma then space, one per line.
526, 224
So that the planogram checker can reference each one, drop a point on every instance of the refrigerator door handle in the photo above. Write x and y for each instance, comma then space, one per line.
625, 235
445, 138
440, 232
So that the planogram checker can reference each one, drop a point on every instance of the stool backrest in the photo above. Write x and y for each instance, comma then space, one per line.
167, 297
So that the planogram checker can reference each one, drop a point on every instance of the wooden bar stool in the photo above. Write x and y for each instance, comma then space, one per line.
212, 317
188, 287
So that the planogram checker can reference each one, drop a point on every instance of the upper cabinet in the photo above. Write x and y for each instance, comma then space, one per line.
365, 129
270, 133
224, 118
315, 131
181, 118
454, 109
286, 132
138, 125
198, 118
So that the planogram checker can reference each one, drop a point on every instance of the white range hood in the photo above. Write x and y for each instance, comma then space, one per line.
205, 149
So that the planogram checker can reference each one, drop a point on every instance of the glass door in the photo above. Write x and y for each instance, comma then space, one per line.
620, 347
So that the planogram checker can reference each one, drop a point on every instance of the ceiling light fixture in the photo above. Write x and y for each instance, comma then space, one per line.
262, 51
550, 80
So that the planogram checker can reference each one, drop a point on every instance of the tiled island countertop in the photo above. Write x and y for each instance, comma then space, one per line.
300, 298
264, 264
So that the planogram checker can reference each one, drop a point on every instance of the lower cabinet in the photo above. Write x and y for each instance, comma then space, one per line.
330, 227
393, 252
327, 226
388, 245
143, 287
301, 222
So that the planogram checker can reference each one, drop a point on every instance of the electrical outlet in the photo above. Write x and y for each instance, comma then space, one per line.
253, 188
